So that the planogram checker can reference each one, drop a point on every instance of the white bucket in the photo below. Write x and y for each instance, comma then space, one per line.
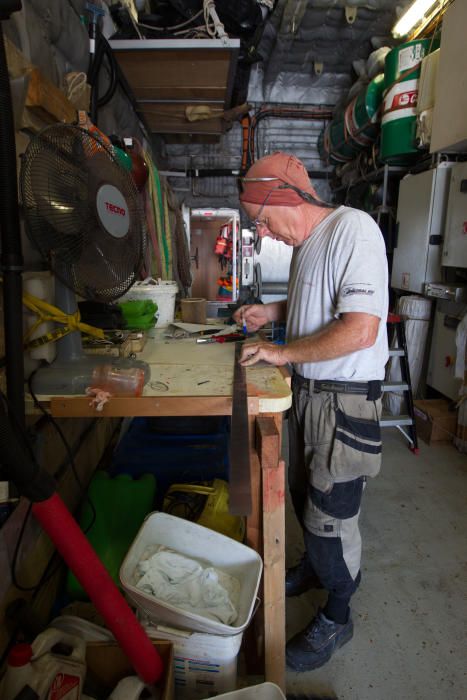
204, 664
161, 292
263, 691
204, 545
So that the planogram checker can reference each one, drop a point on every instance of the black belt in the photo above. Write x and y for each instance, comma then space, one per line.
372, 390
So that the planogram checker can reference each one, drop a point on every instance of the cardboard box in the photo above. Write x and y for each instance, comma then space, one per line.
434, 421
108, 664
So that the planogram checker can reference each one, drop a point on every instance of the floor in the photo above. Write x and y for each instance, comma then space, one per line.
410, 612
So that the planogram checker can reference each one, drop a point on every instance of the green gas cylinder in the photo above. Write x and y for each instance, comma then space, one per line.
398, 123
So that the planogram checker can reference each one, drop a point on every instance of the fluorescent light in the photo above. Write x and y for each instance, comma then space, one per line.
413, 15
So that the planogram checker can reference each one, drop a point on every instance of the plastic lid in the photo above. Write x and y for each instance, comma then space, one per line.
20, 655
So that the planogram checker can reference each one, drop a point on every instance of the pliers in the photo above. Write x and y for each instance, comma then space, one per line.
226, 338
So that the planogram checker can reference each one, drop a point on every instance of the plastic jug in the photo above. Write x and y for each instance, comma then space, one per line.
51, 674
130, 688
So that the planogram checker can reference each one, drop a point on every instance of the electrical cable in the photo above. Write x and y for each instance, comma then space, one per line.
174, 26
46, 575
66, 445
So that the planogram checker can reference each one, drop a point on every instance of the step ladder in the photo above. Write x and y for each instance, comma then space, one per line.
404, 423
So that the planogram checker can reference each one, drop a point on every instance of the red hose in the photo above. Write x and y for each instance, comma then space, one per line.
78, 554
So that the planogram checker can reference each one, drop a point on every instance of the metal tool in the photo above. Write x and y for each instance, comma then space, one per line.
240, 500
226, 338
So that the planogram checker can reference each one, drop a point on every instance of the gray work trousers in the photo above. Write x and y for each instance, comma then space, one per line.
334, 445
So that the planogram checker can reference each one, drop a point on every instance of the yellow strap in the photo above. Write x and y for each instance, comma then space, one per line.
192, 488
48, 312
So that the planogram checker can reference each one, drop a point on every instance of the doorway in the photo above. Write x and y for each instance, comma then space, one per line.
214, 252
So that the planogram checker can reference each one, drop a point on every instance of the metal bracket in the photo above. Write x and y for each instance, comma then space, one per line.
350, 14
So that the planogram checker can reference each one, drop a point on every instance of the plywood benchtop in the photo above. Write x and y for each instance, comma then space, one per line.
187, 378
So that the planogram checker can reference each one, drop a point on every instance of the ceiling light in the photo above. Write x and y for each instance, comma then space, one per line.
415, 13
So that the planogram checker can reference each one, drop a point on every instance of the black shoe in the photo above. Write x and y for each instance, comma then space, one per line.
315, 645
301, 578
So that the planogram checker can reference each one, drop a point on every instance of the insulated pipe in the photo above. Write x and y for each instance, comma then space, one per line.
11, 258
78, 554
49, 509
224, 172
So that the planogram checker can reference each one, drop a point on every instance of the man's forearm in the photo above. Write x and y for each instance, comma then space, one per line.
276, 310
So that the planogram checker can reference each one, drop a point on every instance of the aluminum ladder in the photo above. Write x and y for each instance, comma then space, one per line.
404, 423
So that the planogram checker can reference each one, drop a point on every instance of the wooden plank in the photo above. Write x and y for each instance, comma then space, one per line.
78, 406
17, 63
273, 505
253, 642
150, 72
267, 442
47, 101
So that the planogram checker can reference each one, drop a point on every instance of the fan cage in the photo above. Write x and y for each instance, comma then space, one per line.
63, 169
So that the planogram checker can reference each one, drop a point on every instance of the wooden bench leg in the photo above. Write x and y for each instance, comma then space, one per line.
273, 508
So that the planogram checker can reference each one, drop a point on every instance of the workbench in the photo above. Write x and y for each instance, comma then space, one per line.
190, 379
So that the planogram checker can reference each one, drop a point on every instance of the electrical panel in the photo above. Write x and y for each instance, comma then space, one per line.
421, 212
455, 232
441, 367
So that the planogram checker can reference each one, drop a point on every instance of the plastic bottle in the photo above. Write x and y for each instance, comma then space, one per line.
19, 672
131, 688
51, 675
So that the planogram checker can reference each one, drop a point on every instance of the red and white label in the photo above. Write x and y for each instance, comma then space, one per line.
400, 101
65, 687
113, 211
405, 99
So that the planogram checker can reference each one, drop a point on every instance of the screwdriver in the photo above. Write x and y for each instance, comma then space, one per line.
227, 338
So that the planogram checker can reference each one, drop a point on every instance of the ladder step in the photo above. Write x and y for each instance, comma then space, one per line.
396, 352
389, 421
395, 386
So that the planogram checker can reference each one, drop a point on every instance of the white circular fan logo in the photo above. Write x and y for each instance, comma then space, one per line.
113, 211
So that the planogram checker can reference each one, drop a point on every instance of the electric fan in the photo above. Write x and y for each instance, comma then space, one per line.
84, 215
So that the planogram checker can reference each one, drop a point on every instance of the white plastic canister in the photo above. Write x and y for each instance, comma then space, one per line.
51, 675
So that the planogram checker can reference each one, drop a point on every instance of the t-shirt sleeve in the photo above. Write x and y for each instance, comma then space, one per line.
360, 266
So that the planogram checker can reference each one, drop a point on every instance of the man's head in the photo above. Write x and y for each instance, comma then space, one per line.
280, 200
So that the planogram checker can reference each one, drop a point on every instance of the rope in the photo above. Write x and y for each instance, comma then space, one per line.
48, 312
214, 26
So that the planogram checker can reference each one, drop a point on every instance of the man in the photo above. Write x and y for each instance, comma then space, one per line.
336, 314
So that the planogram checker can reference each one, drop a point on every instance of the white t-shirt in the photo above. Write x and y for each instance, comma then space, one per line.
340, 268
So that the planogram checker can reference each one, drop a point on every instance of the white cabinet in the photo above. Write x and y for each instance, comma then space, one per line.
455, 232
449, 130
442, 361
421, 212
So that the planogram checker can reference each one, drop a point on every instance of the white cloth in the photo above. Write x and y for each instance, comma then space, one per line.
340, 268
185, 583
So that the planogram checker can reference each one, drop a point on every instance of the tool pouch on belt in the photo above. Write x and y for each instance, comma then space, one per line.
356, 449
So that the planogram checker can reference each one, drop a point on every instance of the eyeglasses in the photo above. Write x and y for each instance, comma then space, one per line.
258, 222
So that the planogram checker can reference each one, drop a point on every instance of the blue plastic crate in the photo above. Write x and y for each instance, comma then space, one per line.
184, 458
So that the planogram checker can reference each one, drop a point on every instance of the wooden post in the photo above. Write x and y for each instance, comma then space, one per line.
273, 479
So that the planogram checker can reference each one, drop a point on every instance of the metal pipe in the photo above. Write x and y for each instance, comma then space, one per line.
12, 257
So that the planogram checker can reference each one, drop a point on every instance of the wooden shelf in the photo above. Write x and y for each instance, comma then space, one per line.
168, 75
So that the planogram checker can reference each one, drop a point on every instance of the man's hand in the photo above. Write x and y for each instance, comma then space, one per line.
254, 316
254, 352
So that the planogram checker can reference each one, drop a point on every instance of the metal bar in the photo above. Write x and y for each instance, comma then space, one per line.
240, 500
173, 44
183, 101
